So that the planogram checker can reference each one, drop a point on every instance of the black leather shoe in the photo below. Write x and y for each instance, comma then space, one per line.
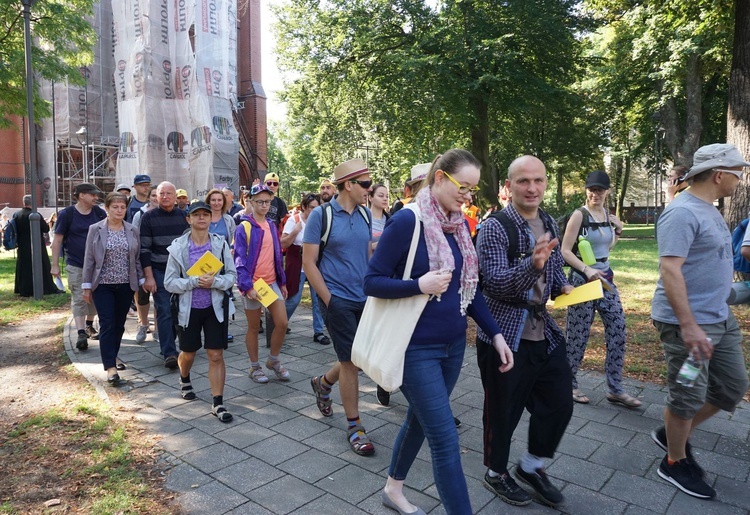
384, 398
321, 339
538, 480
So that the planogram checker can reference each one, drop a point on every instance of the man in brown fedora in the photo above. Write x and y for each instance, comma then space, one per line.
335, 266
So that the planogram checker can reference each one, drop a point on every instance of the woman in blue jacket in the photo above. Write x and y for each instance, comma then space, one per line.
446, 267
257, 255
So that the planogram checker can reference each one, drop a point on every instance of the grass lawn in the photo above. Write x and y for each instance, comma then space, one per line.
13, 307
635, 263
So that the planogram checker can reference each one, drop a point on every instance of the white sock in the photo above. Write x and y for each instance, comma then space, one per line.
530, 463
492, 473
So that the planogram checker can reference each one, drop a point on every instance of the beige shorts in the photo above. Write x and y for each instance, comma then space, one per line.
77, 305
251, 304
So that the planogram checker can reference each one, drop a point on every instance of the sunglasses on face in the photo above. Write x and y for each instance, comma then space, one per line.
364, 184
272, 183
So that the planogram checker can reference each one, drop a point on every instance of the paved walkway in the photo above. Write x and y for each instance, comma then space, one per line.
280, 455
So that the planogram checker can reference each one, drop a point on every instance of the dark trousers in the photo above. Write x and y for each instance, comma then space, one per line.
540, 382
112, 302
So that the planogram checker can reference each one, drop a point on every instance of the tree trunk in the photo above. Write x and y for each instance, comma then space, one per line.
480, 146
738, 112
559, 192
683, 141
624, 188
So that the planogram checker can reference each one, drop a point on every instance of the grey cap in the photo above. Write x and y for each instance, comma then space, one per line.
123, 187
716, 155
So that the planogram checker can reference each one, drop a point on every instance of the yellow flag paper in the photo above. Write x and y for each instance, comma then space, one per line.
266, 295
585, 293
207, 264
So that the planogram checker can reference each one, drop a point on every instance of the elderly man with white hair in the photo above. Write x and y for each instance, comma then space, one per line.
159, 227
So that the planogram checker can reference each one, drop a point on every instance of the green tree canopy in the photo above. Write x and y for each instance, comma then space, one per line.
63, 39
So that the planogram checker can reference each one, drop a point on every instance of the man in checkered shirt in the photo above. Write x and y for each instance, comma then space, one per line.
517, 288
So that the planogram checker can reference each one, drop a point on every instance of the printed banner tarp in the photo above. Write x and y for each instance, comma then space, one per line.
174, 106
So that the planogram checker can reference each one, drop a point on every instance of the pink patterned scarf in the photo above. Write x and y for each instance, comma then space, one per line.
436, 224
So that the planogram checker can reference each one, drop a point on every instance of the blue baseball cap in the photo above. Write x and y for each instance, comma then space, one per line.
260, 188
140, 179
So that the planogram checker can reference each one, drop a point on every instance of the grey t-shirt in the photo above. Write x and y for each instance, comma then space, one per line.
533, 330
694, 229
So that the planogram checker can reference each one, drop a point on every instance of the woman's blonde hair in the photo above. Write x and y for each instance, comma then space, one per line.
224, 206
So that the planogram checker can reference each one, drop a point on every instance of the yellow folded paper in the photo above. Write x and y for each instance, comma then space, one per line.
584, 293
207, 264
266, 295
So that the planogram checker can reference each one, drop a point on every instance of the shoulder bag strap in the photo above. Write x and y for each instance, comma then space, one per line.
414, 241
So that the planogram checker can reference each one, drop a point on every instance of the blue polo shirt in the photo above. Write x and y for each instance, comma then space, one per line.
345, 257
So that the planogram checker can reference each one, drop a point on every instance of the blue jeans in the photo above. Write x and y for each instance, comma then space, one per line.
430, 373
164, 316
292, 303
112, 302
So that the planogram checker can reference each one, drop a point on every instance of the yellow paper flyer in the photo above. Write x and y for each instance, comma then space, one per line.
207, 264
266, 295
584, 293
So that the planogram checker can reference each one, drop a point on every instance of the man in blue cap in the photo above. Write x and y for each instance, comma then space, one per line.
142, 186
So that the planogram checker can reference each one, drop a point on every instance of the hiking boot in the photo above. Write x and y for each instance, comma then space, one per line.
257, 375
140, 335
82, 343
91, 332
685, 476
507, 489
282, 374
538, 480
384, 398
659, 436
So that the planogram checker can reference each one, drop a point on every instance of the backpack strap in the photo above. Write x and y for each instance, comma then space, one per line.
325, 228
247, 227
512, 231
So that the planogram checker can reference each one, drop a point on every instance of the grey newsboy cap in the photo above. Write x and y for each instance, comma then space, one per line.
716, 155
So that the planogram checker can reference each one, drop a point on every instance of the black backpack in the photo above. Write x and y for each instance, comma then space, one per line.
562, 224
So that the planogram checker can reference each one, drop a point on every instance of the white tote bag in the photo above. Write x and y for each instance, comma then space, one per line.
386, 327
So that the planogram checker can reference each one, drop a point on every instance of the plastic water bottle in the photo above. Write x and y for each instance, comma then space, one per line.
690, 369
586, 252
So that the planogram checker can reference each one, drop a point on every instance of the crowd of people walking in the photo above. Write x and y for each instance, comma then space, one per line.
348, 245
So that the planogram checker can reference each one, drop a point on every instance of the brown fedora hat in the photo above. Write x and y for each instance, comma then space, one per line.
349, 170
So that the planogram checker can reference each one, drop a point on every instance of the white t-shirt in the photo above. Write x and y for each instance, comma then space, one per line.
289, 228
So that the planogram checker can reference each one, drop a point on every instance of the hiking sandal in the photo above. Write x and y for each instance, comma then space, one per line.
324, 405
186, 390
361, 444
221, 413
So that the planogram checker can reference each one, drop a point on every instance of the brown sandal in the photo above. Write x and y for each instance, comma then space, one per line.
361, 444
324, 405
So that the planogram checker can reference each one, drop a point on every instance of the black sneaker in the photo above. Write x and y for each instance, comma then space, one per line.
82, 343
457, 422
538, 480
685, 476
321, 339
659, 436
506, 489
91, 332
384, 398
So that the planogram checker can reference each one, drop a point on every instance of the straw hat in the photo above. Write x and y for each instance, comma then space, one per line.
349, 170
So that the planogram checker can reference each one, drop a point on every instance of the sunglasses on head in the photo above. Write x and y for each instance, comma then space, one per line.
365, 184
271, 183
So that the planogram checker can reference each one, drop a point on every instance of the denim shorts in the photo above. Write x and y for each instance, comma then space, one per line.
722, 380
341, 317
252, 304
